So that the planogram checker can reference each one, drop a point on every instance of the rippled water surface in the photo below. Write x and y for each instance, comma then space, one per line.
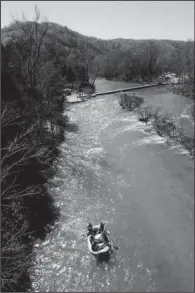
118, 170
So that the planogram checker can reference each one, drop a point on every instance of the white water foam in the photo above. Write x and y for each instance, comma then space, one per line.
154, 139
95, 151
152, 136
185, 116
180, 149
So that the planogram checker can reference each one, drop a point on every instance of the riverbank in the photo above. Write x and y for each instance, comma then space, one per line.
185, 89
28, 151
73, 98
33, 124
163, 123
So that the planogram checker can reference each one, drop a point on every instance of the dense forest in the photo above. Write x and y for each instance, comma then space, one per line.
123, 59
147, 59
38, 59
33, 125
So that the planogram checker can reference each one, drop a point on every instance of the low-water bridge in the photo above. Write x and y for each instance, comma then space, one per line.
76, 99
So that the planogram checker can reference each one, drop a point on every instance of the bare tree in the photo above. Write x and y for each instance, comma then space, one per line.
96, 72
152, 55
87, 58
32, 51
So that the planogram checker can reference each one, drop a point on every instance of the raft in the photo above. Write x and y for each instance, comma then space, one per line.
103, 252
106, 251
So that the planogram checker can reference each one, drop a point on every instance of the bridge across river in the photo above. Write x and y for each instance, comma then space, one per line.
130, 89
75, 99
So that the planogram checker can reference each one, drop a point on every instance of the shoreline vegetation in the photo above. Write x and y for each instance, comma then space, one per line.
163, 123
146, 61
33, 124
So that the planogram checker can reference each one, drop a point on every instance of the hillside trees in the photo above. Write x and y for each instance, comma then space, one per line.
118, 58
147, 59
151, 55
33, 126
70, 75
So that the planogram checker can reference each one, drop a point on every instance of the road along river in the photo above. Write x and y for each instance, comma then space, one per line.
118, 170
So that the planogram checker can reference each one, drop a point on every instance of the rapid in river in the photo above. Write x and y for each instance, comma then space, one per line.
119, 170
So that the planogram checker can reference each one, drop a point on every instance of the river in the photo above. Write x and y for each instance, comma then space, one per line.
118, 170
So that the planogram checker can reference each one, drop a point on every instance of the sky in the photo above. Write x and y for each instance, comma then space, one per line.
112, 19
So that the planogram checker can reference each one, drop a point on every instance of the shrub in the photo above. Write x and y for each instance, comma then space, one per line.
164, 125
131, 101
88, 88
145, 113
187, 142
185, 88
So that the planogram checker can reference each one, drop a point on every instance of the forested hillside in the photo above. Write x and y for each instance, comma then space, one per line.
125, 59
33, 125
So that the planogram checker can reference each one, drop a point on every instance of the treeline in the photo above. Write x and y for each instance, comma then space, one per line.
68, 54
147, 59
33, 126
123, 59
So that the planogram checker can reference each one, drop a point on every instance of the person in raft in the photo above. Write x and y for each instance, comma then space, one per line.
99, 237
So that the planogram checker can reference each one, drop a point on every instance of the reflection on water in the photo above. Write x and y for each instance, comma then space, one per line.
91, 185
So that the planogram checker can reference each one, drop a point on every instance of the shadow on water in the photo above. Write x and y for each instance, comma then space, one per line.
72, 127
107, 262
106, 266
105, 258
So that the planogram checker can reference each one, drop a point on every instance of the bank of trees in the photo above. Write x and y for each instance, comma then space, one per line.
38, 58
32, 127
130, 60
145, 60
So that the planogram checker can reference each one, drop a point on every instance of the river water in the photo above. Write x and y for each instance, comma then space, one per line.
118, 170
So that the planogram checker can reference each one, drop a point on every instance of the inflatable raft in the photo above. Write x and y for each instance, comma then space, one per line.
101, 241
